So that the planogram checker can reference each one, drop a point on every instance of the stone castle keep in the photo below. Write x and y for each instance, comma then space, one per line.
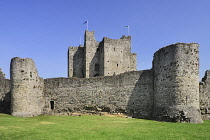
102, 77
106, 58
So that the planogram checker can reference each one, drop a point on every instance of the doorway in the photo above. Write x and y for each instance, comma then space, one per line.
52, 105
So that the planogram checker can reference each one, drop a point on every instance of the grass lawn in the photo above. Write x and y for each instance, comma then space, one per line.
97, 127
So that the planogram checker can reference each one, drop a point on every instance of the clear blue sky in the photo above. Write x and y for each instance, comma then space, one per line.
43, 29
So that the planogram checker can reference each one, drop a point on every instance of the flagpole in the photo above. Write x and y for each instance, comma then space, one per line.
87, 24
128, 30
128, 27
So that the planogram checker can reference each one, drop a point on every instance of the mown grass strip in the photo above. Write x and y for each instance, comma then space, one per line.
97, 127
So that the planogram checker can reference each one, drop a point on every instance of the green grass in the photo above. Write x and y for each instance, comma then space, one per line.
97, 127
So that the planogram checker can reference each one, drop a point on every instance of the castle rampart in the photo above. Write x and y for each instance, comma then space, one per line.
114, 94
26, 88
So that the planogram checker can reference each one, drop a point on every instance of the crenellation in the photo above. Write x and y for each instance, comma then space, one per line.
126, 37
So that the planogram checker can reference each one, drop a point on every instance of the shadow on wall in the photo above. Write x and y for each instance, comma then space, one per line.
78, 63
5, 103
140, 104
94, 67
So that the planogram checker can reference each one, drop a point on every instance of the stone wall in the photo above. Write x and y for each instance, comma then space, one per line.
4, 94
205, 96
118, 57
129, 93
176, 83
76, 62
26, 88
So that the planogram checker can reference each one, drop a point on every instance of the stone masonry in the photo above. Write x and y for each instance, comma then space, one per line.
169, 91
26, 88
176, 83
106, 58
205, 96
4, 93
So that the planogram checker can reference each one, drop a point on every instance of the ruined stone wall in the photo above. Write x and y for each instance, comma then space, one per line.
4, 94
118, 57
26, 88
126, 93
76, 62
205, 96
176, 83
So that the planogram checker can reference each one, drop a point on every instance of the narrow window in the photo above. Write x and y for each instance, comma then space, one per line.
52, 105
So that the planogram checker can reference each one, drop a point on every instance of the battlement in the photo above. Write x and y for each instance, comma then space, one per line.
123, 38
117, 41
126, 37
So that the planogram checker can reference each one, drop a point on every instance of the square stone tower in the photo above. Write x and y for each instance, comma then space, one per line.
106, 58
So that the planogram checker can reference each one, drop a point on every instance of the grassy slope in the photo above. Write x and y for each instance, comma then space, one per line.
97, 127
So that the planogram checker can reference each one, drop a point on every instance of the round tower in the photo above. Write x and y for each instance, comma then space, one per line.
26, 88
176, 83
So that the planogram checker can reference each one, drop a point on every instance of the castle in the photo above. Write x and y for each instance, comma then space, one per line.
102, 77
106, 58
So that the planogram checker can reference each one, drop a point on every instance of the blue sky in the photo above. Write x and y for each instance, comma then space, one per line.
43, 29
